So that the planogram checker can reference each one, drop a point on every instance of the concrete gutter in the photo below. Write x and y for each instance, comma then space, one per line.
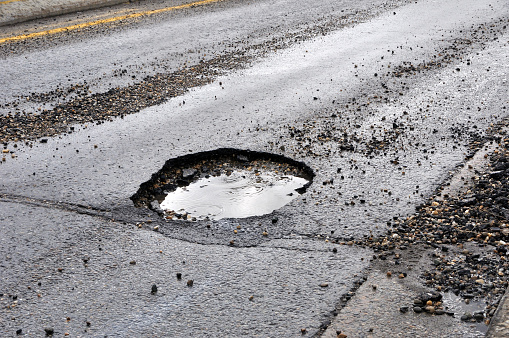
500, 322
16, 11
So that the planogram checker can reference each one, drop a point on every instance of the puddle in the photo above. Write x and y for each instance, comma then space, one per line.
225, 183
458, 305
240, 194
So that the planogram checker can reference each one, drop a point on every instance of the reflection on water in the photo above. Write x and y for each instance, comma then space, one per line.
239, 194
457, 305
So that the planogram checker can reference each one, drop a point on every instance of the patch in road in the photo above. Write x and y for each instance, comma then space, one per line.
76, 273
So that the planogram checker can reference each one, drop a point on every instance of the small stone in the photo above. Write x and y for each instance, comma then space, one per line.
341, 335
19, 331
430, 309
479, 316
88, 323
132, 262
251, 298
389, 274
49, 331
303, 330
417, 309
179, 276
335, 250
439, 312
401, 275
190, 283
466, 316
154, 289
418, 302
429, 303
403, 309
324, 285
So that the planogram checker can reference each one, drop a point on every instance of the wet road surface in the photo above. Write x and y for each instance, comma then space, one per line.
383, 111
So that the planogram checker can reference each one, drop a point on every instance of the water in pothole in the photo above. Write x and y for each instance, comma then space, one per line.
238, 194
458, 305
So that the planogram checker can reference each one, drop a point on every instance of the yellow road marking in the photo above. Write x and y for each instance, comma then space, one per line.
103, 21
6, 2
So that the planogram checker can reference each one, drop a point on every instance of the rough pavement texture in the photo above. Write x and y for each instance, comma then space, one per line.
371, 132
83, 270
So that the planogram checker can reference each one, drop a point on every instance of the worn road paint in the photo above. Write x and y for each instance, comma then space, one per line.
8, 1
103, 21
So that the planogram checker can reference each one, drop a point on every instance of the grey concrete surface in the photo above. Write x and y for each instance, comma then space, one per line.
250, 109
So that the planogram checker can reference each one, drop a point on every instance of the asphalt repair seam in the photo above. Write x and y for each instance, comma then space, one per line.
78, 208
141, 221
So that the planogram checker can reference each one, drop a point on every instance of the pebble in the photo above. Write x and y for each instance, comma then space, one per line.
190, 283
430, 309
478, 316
154, 289
466, 316
417, 309
49, 331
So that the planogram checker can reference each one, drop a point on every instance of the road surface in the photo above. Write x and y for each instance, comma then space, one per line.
382, 101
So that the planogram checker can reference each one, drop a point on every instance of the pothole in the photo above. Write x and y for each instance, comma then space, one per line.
223, 183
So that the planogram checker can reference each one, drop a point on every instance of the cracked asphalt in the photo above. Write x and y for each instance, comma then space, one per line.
382, 100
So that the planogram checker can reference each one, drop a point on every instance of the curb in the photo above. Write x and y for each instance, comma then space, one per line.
18, 11
500, 322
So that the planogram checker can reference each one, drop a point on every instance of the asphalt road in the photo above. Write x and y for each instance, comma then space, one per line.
382, 100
